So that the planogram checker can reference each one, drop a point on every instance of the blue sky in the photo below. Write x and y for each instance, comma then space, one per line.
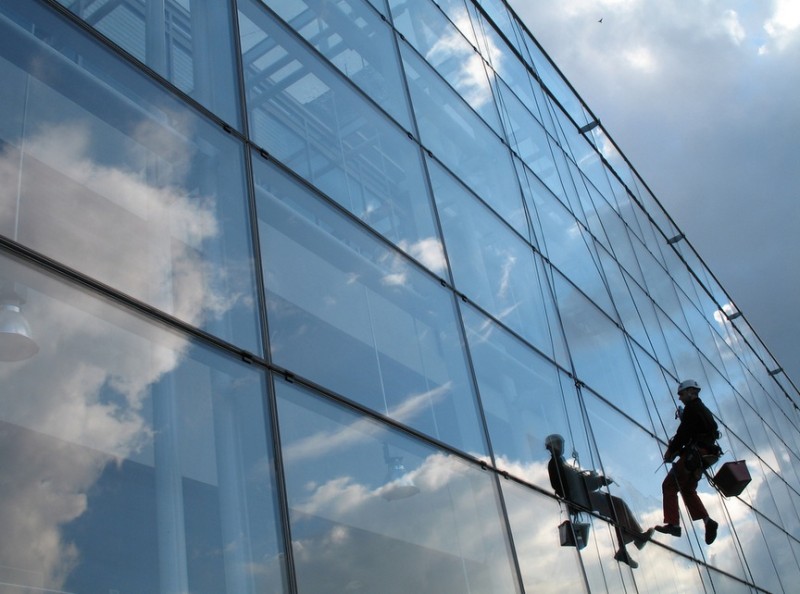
703, 99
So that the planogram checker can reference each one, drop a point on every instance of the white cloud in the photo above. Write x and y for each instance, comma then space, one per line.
784, 23
733, 26
641, 58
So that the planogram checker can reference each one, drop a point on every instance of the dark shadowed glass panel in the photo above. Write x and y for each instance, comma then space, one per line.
374, 510
352, 314
189, 43
104, 171
303, 113
133, 459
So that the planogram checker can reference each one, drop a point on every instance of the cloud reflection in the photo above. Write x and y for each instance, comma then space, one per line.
471, 79
139, 228
67, 414
453, 517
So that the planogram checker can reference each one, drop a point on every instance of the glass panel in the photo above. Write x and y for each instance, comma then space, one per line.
357, 41
534, 520
187, 42
553, 80
304, 114
463, 142
777, 567
603, 572
629, 456
600, 352
571, 249
736, 521
445, 48
374, 510
687, 360
528, 138
492, 266
525, 398
661, 570
134, 460
723, 583
102, 170
353, 315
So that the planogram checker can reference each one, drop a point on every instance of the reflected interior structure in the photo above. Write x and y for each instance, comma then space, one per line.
291, 294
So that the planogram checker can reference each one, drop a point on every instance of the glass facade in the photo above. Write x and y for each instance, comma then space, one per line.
294, 292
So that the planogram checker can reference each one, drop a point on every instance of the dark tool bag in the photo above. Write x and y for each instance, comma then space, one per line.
732, 478
573, 534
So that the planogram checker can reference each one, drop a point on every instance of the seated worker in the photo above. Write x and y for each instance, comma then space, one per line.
581, 488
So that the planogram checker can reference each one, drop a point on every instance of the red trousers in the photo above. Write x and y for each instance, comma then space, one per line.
680, 479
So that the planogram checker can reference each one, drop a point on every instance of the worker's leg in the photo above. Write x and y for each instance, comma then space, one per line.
687, 483
669, 490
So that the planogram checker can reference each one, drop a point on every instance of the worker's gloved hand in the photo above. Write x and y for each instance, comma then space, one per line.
669, 456
607, 480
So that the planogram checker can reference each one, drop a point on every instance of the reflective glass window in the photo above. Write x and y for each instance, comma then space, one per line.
492, 265
535, 521
104, 171
688, 362
356, 40
658, 388
619, 286
661, 570
590, 163
351, 314
462, 141
571, 248
732, 539
700, 331
188, 43
305, 114
555, 82
617, 238
444, 47
788, 519
373, 510
599, 351
661, 288
134, 459
777, 574
629, 456
656, 341
528, 138
525, 398
570, 189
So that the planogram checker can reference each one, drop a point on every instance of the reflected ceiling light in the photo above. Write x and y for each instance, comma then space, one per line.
16, 340
398, 484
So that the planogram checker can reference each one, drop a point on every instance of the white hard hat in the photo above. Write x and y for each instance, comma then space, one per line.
689, 383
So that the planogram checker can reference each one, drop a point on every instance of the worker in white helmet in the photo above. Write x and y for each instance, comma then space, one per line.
694, 444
